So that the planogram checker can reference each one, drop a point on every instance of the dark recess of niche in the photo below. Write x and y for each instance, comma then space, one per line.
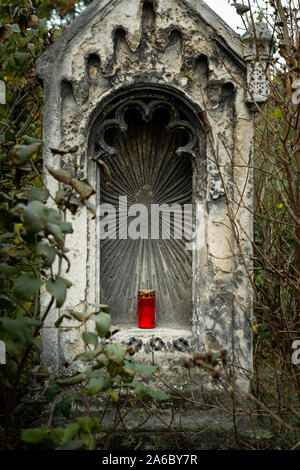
148, 171
93, 65
120, 34
66, 89
202, 68
175, 37
228, 90
120, 42
148, 18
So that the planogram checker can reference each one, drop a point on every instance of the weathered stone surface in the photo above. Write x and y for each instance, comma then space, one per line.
184, 53
2, 92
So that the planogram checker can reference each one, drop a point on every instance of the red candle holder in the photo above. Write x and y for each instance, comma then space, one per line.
146, 308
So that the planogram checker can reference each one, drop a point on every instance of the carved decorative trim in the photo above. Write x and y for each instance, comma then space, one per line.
146, 111
258, 37
157, 344
258, 83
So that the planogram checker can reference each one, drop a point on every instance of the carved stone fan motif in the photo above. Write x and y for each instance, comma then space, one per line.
145, 151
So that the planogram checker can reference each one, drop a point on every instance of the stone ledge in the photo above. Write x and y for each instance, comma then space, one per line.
156, 339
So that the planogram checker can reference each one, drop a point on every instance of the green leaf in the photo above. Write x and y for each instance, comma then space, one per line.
38, 194
19, 210
64, 435
11, 61
66, 281
57, 289
113, 368
34, 436
7, 271
65, 406
37, 181
17, 333
101, 307
57, 435
81, 316
16, 325
103, 324
114, 396
55, 230
102, 361
13, 252
60, 175
88, 440
127, 375
13, 28
87, 423
42, 25
22, 57
84, 189
56, 33
96, 385
30, 339
35, 217
142, 369
94, 374
277, 114
30, 140
116, 352
47, 252
54, 217
86, 356
140, 391
112, 331
26, 285
52, 392
74, 380
22, 153
61, 196
3, 156
60, 320
159, 396
90, 338
66, 227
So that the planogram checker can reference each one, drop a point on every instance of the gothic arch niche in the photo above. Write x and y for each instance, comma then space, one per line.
153, 144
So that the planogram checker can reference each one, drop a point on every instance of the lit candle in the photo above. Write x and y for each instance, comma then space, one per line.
146, 308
